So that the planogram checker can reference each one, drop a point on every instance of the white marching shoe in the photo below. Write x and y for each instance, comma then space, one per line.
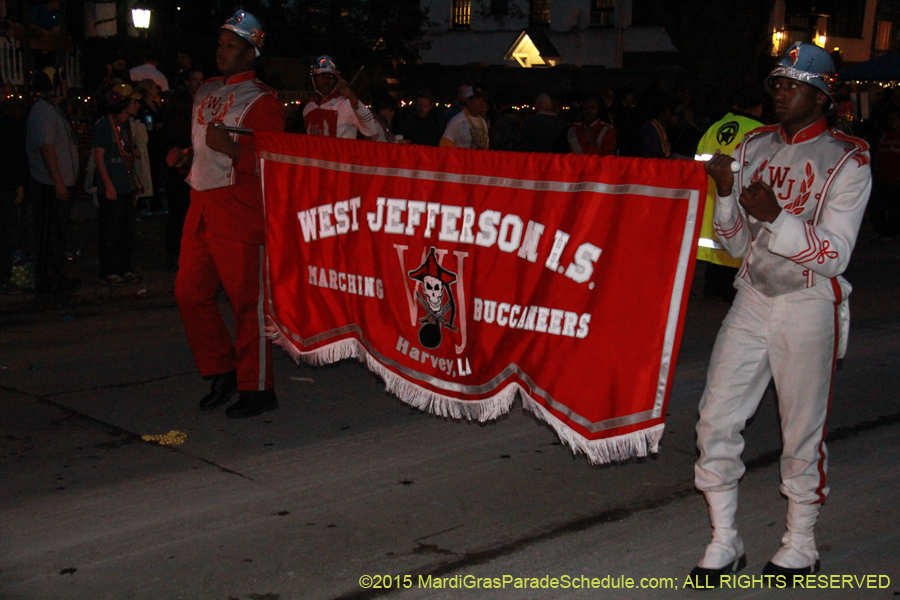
797, 555
725, 553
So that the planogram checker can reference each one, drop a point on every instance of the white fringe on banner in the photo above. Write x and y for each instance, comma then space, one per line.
410, 393
622, 447
273, 332
473, 410
603, 451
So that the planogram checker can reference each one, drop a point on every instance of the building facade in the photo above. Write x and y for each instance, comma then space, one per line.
540, 33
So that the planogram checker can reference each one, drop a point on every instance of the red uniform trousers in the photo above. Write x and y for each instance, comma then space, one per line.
223, 244
206, 261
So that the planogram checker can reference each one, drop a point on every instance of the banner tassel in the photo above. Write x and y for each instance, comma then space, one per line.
623, 447
280, 340
473, 410
410, 393
598, 452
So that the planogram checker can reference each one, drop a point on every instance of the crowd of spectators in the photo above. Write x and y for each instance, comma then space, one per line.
652, 124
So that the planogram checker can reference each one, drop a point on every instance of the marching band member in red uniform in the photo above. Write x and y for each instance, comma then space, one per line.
224, 233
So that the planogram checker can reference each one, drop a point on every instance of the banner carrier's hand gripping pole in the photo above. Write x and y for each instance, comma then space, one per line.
241, 130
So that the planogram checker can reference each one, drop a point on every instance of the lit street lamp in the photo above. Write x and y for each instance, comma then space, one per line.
140, 16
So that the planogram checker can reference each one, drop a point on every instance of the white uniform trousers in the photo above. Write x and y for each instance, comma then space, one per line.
790, 338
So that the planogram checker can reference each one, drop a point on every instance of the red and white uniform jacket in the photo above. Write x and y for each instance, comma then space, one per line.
227, 195
822, 180
596, 138
334, 116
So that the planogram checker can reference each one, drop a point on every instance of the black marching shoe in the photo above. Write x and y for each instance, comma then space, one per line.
711, 578
223, 388
252, 403
788, 574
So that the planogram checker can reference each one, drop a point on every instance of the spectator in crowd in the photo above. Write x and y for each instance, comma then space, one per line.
148, 70
420, 126
845, 108
334, 110
177, 134
384, 107
544, 131
684, 133
53, 166
469, 129
120, 76
884, 207
184, 66
605, 97
455, 108
626, 119
118, 171
193, 80
224, 234
116, 74
151, 114
593, 133
506, 126
654, 139
13, 177
116, 63
142, 156
880, 107
81, 118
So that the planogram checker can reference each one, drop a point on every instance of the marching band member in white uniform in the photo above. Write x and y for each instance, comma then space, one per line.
793, 210
334, 110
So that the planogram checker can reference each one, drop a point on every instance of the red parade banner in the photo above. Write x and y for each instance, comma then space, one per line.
465, 278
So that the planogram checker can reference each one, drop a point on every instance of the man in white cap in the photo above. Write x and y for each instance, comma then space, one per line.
469, 129
792, 209
223, 231
334, 110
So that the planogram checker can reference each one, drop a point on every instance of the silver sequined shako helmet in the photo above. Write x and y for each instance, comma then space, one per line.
325, 64
248, 27
807, 63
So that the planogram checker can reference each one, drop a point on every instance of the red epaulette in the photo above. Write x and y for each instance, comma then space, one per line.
862, 147
861, 144
268, 89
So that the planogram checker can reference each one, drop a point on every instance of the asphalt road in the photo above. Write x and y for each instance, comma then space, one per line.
345, 481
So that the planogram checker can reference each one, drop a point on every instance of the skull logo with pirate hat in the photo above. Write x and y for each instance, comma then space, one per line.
435, 281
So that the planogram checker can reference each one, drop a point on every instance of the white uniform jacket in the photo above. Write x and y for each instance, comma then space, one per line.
822, 181
226, 103
335, 117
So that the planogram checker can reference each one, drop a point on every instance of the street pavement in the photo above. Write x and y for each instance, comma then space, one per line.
344, 486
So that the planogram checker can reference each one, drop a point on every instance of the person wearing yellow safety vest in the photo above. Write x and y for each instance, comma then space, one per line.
724, 135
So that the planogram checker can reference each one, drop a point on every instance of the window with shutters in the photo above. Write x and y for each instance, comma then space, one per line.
603, 13
462, 14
